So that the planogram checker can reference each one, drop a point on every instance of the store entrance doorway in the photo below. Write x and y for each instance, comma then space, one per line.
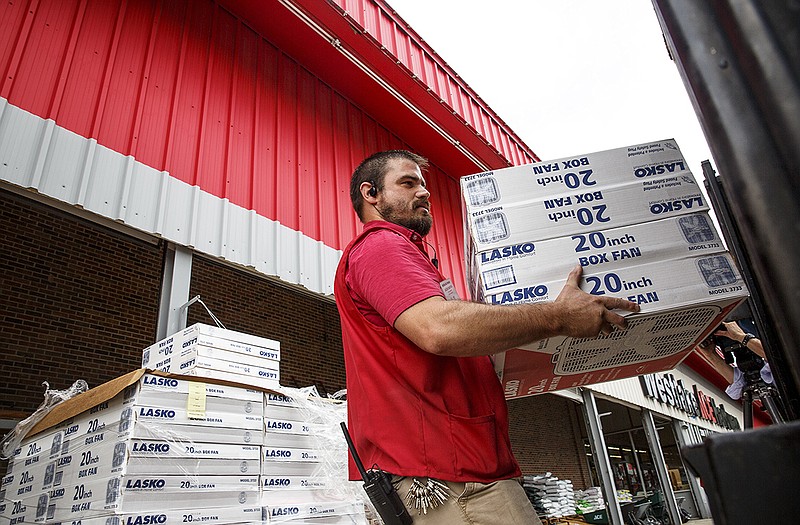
632, 463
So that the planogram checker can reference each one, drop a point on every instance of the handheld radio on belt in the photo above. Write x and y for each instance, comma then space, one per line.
380, 490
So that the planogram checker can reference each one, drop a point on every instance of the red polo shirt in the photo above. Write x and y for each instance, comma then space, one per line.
410, 412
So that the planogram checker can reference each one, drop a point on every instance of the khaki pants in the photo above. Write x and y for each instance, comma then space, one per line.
499, 503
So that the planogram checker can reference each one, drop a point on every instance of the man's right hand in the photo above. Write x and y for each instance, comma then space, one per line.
585, 315
464, 328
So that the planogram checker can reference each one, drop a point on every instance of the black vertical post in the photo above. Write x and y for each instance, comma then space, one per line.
740, 63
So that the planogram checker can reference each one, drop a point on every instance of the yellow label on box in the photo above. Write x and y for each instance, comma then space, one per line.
196, 401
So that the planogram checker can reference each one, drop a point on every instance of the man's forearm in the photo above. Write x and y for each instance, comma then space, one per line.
757, 347
461, 328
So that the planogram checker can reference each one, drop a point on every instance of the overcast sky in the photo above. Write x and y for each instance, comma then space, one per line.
568, 76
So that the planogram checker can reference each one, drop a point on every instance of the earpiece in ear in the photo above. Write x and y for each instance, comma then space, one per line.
373, 191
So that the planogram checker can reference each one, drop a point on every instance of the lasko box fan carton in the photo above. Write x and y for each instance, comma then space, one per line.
531, 263
681, 300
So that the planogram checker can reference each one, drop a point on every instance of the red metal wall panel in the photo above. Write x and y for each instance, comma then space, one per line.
186, 87
285, 190
128, 73
187, 98
240, 152
15, 16
215, 118
153, 136
308, 125
32, 76
266, 130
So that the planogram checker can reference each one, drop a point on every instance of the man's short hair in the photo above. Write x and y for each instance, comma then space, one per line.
373, 169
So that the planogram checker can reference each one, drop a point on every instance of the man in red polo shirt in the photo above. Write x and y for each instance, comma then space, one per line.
424, 403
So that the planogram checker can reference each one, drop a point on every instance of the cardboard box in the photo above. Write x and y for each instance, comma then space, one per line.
337, 519
285, 413
675, 478
280, 399
655, 287
86, 402
179, 449
265, 370
208, 412
112, 455
635, 219
102, 497
592, 170
199, 434
151, 465
95, 425
51, 456
59, 440
161, 383
286, 454
196, 352
214, 336
138, 405
286, 423
651, 343
27, 474
286, 426
82, 462
581, 211
305, 495
286, 440
681, 302
281, 484
253, 404
284, 513
138, 455
52, 443
269, 380
163, 354
532, 263
107, 495
307, 469
131, 493
14, 511
212, 516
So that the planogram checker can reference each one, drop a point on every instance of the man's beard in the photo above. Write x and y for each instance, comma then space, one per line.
420, 224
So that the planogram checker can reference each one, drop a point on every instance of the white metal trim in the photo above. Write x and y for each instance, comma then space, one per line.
38, 155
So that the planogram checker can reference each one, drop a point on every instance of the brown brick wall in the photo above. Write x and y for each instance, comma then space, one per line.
546, 437
306, 324
78, 301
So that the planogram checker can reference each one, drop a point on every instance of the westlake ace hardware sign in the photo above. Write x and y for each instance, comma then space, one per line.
670, 391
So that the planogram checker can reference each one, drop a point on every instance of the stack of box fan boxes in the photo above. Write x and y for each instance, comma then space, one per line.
155, 448
304, 463
212, 352
637, 222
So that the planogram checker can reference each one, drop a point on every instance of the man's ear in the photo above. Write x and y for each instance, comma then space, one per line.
369, 192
